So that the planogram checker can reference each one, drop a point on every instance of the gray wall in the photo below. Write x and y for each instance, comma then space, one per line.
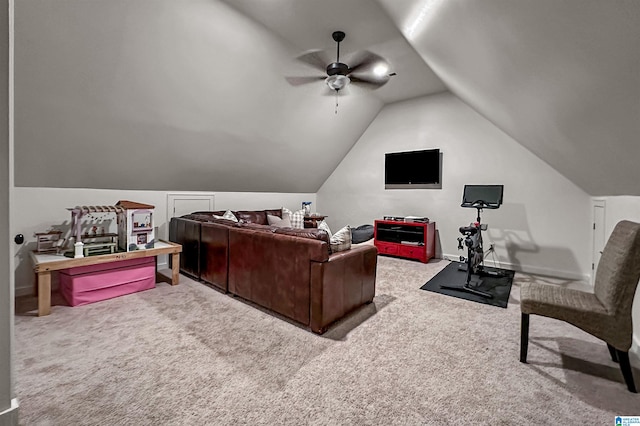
6, 280
166, 95
543, 225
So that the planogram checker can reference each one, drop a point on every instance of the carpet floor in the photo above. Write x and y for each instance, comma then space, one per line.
190, 355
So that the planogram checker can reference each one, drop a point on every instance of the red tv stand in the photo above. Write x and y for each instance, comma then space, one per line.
411, 240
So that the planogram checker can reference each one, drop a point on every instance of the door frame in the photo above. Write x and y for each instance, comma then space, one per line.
597, 226
173, 196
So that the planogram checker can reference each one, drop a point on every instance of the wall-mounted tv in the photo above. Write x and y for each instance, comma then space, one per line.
413, 169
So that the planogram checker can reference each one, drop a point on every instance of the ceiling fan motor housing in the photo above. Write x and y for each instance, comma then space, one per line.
337, 68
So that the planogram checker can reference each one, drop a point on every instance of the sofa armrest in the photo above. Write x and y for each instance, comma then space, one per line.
214, 254
272, 270
342, 284
187, 233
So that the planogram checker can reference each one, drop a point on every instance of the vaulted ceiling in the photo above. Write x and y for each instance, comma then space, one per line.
560, 77
193, 95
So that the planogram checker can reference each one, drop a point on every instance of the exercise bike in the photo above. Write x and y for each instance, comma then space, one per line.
479, 197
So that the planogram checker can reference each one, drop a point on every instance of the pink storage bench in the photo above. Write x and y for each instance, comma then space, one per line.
93, 283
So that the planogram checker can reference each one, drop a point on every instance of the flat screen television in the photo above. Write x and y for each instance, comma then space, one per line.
412, 169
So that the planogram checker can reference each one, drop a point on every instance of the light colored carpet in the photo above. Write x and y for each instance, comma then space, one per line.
190, 355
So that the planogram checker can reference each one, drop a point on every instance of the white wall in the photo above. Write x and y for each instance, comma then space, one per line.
617, 209
38, 209
543, 225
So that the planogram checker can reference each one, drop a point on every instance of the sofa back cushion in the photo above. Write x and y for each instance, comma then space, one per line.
259, 217
311, 233
216, 213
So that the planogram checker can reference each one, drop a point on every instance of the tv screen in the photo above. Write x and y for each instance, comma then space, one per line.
412, 169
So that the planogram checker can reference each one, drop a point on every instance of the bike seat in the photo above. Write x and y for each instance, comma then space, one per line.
468, 230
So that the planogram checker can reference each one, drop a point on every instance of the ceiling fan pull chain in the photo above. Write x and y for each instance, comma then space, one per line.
336, 102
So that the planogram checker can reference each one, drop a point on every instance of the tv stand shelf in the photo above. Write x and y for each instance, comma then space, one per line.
411, 240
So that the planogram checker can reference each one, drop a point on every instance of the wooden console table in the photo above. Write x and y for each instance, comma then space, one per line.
313, 220
44, 264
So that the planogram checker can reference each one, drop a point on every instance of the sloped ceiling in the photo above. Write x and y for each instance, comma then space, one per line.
560, 77
192, 95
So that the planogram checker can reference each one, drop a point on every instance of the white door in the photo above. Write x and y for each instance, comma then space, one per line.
181, 204
598, 235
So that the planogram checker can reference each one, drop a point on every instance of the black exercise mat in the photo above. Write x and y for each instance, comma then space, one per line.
499, 287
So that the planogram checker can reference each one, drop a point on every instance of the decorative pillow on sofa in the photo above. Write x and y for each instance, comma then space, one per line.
324, 227
361, 234
341, 240
227, 215
297, 217
278, 222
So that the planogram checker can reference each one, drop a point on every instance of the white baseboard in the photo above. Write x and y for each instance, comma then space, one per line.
529, 269
9, 417
635, 347
23, 291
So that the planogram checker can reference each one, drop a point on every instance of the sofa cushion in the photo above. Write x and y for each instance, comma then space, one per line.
283, 222
341, 240
207, 213
311, 233
257, 227
258, 216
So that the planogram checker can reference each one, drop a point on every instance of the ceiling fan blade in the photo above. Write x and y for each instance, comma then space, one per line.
365, 61
315, 58
299, 81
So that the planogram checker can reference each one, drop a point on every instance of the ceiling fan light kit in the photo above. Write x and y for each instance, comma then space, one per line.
337, 81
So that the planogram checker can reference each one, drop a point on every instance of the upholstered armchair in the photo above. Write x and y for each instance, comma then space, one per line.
605, 313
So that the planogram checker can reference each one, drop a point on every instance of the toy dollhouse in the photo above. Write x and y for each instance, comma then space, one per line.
135, 225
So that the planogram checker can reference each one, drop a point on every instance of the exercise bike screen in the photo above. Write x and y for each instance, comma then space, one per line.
491, 195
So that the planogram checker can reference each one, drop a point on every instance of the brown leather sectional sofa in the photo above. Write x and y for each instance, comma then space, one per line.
288, 271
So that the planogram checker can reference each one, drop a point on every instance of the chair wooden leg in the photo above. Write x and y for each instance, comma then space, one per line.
524, 337
612, 352
625, 366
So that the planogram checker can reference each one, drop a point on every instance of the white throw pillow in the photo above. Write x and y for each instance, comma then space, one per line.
325, 227
227, 215
341, 240
283, 222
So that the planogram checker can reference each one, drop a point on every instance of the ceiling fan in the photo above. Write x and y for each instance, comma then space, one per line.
367, 69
